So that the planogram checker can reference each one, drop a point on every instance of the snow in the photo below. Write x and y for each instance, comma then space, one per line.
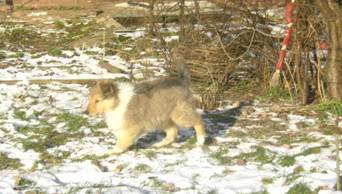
81, 164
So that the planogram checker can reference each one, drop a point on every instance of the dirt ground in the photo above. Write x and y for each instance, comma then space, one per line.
64, 9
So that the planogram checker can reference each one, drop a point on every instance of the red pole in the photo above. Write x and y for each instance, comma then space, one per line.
287, 35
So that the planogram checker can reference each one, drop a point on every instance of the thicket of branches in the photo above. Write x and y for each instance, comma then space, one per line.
238, 44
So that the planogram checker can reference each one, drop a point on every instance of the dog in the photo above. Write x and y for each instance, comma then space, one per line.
132, 110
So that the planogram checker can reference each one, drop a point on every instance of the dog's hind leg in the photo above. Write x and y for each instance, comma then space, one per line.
200, 131
171, 135
125, 138
186, 116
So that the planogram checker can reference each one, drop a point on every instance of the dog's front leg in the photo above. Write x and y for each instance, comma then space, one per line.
125, 138
171, 135
116, 150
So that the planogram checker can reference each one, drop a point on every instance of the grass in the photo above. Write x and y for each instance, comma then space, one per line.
73, 122
313, 150
300, 188
8, 163
17, 55
259, 155
41, 144
287, 161
19, 114
3, 55
47, 158
56, 52
121, 38
212, 191
332, 106
243, 86
236, 133
162, 186
190, 143
260, 192
24, 183
275, 93
45, 137
298, 170
142, 168
220, 155
267, 181
150, 154
59, 24
20, 37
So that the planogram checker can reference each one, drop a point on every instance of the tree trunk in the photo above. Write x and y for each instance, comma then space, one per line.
181, 20
332, 13
334, 69
9, 2
152, 18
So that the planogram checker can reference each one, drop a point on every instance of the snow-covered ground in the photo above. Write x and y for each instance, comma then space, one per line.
59, 149
48, 144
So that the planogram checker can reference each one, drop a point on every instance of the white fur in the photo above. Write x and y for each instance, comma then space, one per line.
200, 140
115, 118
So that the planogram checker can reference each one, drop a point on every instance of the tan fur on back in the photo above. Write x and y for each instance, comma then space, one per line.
133, 110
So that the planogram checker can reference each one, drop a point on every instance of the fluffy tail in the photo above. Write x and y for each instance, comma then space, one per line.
184, 73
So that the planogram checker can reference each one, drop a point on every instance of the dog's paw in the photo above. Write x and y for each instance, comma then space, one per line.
158, 145
161, 144
116, 151
201, 140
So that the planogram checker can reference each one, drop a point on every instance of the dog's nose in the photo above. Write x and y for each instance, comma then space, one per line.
86, 112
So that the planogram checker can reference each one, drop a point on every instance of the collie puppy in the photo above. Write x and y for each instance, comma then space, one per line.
132, 110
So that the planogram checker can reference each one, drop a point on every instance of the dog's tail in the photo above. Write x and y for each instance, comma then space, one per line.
184, 73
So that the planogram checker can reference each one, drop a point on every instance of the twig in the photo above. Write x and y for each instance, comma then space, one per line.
224, 49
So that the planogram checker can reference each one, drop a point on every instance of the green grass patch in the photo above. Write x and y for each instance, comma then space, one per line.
327, 130
162, 185
275, 93
73, 122
59, 24
260, 192
287, 161
121, 39
212, 191
150, 154
24, 183
220, 155
142, 168
47, 158
259, 155
267, 181
56, 52
88, 52
242, 86
190, 143
236, 133
313, 150
20, 37
8, 163
298, 170
40, 143
19, 114
3, 55
332, 106
17, 55
300, 188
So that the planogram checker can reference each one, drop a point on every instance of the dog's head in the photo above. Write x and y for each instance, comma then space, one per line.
103, 97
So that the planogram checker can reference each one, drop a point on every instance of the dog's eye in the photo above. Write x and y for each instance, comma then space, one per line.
97, 101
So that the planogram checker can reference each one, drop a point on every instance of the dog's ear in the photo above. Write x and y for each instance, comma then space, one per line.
108, 88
